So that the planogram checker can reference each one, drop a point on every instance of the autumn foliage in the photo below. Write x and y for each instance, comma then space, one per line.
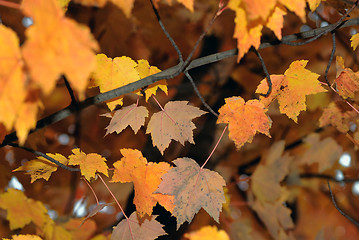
134, 119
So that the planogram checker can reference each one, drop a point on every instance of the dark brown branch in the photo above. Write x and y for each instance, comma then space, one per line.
166, 74
46, 157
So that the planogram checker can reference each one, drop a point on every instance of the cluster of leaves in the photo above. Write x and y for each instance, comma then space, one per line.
31, 71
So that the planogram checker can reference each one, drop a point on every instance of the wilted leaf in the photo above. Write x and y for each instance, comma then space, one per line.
194, 188
347, 81
148, 230
57, 45
268, 175
276, 217
89, 163
324, 152
133, 116
207, 233
146, 176
339, 115
94, 211
41, 167
22, 210
174, 123
245, 119
291, 89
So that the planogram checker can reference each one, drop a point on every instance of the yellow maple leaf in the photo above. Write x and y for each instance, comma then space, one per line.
22, 210
144, 69
291, 89
41, 167
89, 163
146, 176
355, 41
24, 237
245, 119
57, 45
208, 233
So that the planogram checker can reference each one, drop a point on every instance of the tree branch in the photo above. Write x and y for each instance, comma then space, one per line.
166, 74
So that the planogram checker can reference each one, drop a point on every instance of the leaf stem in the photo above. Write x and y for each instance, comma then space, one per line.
118, 204
88, 184
210, 155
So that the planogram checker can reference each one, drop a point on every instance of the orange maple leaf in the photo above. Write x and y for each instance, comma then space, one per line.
18, 104
22, 210
148, 230
324, 152
245, 119
41, 167
291, 89
175, 122
339, 115
267, 176
209, 233
253, 15
133, 116
347, 81
146, 176
57, 45
193, 188
89, 163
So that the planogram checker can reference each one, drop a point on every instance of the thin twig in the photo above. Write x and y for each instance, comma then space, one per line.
199, 95
339, 210
330, 59
165, 74
180, 58
71, 92
328, 177
269, 81
45, 156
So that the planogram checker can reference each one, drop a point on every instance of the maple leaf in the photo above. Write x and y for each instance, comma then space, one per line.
194, 188
291, 89
146, 176
23, 237
144, 70
354, 41
80, 230
133, 116
347, 81
324, 152
339, 115
120, 71
245, 119
57, 45
148, 230
174, 123
267, 176
276, 217
89, 163
208, 233
22, 210
41, 167
125, 5
17, 109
